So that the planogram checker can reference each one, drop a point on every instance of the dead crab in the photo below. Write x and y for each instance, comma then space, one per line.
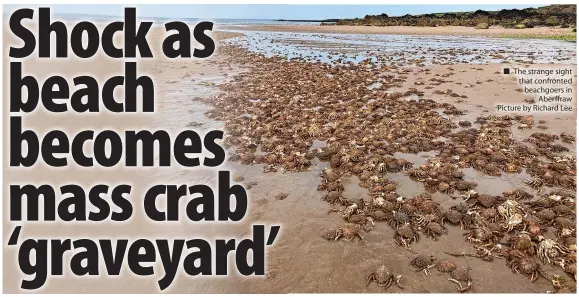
435, 230
416, 173
512, 168
405, 235
384, 277
422, 220
491, 169
423, 263
328, 234
348, 211
509, 208
455, 217
481, 235
518, 194
349, 231
523, 243
513, 222
568, 138
334, 197
398, 218
445, 266
525, 265
460, 275
534, 183
550, 249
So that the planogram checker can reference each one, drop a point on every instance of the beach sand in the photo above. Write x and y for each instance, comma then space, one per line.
544, 32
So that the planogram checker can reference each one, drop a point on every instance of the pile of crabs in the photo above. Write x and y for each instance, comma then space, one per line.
275, 111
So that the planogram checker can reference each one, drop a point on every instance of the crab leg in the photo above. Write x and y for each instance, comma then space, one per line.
370, 278
456, 282
398, 277
388, 284
468, 286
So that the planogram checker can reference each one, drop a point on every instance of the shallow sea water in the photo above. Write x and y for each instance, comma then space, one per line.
392, 49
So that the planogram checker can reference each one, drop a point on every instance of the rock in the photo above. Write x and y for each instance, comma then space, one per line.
482, 26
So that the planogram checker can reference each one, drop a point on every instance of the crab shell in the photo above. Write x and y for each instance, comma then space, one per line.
453, 216
461, 274
422, 261
328, 234
445, 266
436, 228
382, 275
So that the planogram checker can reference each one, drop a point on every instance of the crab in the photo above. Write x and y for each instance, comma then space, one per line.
435, 230
563, 222
334, 197
565, 233
568, 266
563, 209
512, 168
560, 285
509, 208
547, 216
455, 217
384, 277
348, 211
486, 200
330, 175
489, 215
463, 185
568, 138
405, 235
445, 266
492, 170
328, 234
398, 218
314, 131
416, 173
523, 243
378, 201
423, 263
404, 164
534, 183
525, 265
549, 249
481, 235
518, 194
512, 222
428, 206
444, 188
460, 275
422, 220
349, 231
360, 219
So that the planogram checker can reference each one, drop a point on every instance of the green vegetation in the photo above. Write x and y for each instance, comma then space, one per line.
550, 16
564, 37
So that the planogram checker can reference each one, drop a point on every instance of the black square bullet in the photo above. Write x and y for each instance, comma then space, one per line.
506, 71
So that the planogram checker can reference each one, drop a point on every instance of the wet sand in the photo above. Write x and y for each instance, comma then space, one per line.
409, 30
300, 261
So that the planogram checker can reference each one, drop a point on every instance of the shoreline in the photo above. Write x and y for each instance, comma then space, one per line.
542, 32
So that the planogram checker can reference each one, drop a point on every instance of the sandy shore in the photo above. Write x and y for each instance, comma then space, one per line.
408, 30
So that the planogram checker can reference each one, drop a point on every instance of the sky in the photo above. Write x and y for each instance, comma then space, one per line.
270, 11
